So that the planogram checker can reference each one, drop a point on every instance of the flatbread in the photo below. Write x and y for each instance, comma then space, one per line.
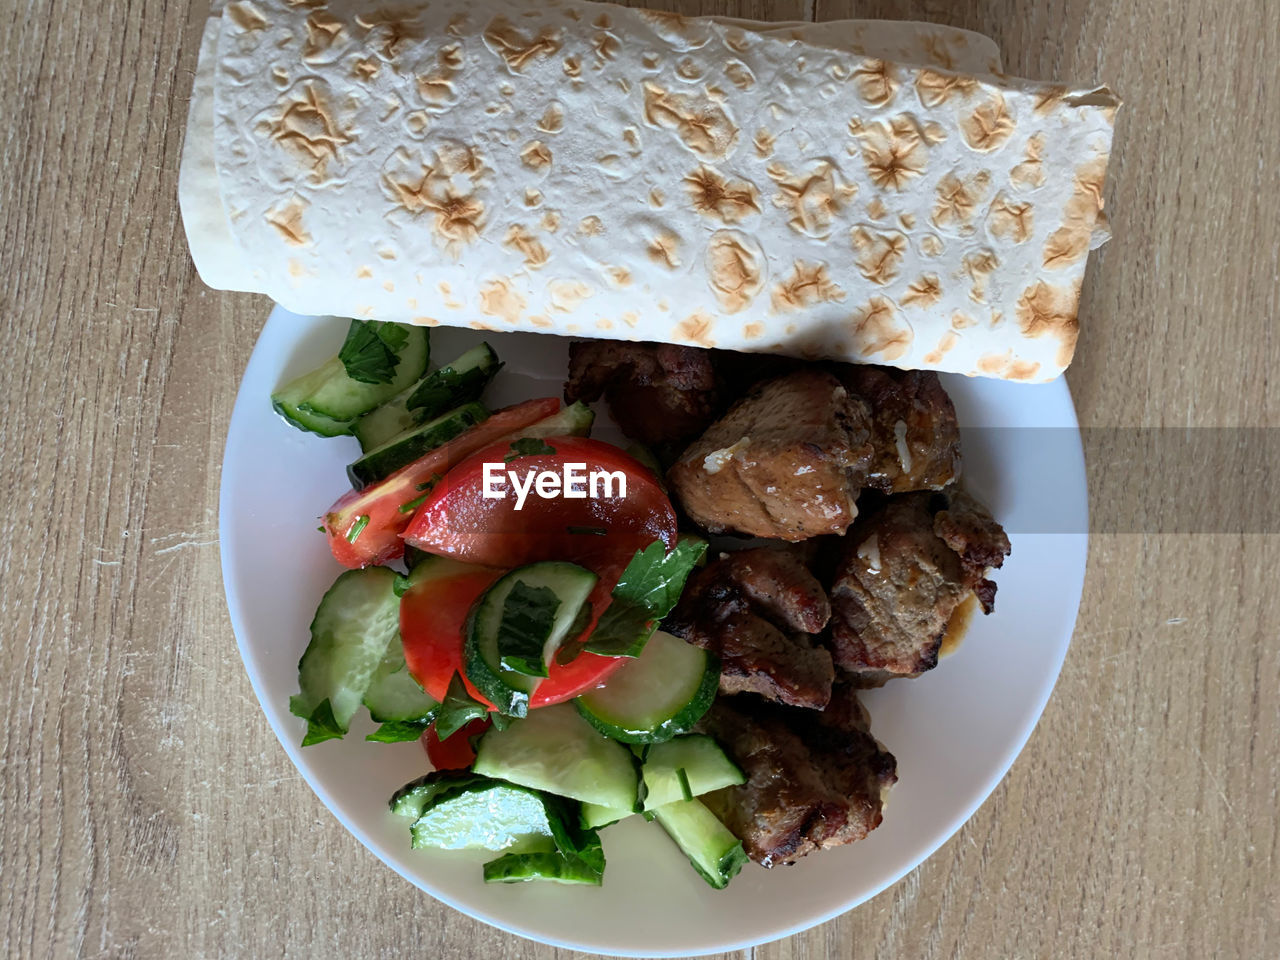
869, 192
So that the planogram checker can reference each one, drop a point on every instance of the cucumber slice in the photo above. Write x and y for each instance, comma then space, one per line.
660, 694
485, 816
393, 695
388, 421
463, 379
555, 750
289, 401
705, 767
556, 867
432, 566
574, 420
341, 398
409, 446
411, 799
459, 382
594, 816
355, 623
489, 662
715, 853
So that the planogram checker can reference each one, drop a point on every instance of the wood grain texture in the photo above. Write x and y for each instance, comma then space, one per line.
145, 807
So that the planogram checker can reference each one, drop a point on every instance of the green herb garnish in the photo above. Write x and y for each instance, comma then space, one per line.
413, 504
399, 731
528, 447
528, 614
370, 354
647, 591
321, 723
457, 709
357, 528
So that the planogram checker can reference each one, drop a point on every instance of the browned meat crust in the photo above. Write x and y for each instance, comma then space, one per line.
815, 780
660, 394
913, 428
757, 610
786, 462
902, 572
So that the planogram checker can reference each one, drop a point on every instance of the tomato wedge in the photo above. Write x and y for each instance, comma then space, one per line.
453, 752
459, 521
364, 526
433, 613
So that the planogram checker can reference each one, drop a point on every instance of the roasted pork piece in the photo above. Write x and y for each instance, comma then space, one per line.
815, 779
659, 394
913, 427
758, 610
786, 462
902, 572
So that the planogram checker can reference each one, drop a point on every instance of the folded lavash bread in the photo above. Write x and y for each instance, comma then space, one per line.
871, 192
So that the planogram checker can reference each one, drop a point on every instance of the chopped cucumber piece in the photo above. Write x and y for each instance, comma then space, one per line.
355, 623
459, 382
595, 816
555, 750
574, 420
290, 402
493, 646
463, 379
411, 799
703, 763
715, 853
556, 867
409, 446
660, 694
484, 816
393, 695
339, 397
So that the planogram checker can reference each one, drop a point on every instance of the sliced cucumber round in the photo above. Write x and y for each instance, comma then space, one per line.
660, 694
341, 398
554, 866
714, 852
415, 442
553, 749
505, 658
290, 402
594, 816
686, 767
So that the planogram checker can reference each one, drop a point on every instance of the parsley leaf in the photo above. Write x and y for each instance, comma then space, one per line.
528, 615
321, 723
528, 447
371, 351
398, 731
457, 709
648, 589
573, 841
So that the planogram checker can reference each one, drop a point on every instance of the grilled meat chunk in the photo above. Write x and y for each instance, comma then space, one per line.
757, 611
660, 394
815, 780
786, 462
902, 572
913, 428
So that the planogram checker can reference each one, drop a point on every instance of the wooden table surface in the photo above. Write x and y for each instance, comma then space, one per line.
146, 810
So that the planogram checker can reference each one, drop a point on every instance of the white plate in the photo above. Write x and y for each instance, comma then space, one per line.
955, 731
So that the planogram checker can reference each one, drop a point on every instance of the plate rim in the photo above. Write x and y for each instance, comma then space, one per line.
1079, 544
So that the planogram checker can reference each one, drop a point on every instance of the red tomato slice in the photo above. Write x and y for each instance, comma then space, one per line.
458, 521
432, 616
453, 752
377, 539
